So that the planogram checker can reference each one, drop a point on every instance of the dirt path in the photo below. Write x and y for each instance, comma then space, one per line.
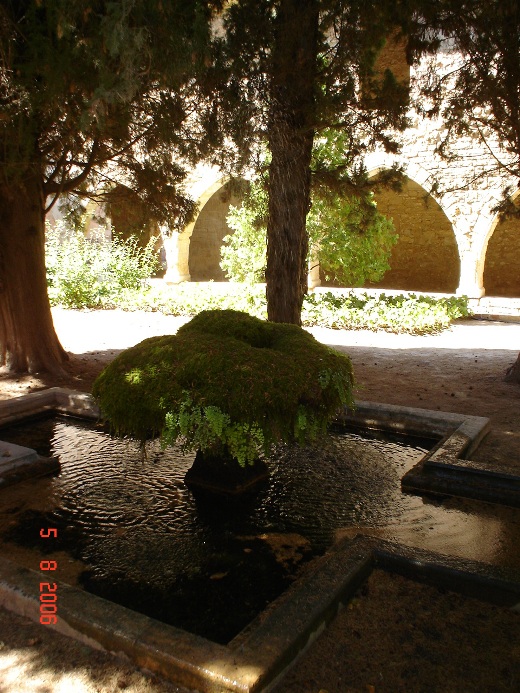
460, 370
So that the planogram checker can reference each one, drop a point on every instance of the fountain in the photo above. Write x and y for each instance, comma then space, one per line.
319, 560
230, 386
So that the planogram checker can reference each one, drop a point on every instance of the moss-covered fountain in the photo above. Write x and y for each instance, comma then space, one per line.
229, 386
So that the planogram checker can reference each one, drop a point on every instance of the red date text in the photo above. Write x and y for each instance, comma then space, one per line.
48, 590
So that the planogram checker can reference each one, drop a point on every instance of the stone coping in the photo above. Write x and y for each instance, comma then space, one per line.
258, 657
446, 470
463, 431
12, 455
52, 399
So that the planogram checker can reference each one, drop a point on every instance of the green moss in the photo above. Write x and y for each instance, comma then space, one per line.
226, 379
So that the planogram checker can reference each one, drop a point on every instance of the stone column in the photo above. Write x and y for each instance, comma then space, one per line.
470, 283
177, 248
313, 277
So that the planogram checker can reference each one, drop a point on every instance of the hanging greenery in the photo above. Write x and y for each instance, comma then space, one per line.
227, 383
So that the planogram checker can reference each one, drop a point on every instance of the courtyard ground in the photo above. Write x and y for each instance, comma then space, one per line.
397, 635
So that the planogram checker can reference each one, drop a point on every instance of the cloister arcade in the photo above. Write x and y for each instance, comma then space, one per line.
441, 247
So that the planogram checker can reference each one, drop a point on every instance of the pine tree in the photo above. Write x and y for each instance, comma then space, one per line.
286, 71
88, 89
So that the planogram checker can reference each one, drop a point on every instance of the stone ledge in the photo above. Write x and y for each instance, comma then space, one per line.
18, 463
53, 399
257, 659
12, 456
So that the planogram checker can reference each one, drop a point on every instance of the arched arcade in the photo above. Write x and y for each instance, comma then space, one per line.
426, 255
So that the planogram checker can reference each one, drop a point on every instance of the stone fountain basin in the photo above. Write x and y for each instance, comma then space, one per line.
444, 470
258, 656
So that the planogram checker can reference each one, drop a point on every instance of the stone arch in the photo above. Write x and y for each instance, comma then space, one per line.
426, 256
378, 161
208, 230
129, 215
500, 257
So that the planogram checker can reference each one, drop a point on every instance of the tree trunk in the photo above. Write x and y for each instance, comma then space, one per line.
513, 373
28, 341
291, 135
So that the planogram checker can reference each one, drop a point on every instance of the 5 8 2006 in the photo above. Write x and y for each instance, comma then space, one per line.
48, 590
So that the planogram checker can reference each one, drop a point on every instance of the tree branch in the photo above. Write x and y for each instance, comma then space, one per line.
51, 188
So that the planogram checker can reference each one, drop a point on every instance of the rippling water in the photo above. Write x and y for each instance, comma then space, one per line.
147, 542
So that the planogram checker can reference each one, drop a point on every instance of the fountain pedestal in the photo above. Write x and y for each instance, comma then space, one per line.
223, 475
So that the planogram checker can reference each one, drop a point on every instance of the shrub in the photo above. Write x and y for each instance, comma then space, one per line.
189, 299
410, 313
243, 252
349, 238
91, 273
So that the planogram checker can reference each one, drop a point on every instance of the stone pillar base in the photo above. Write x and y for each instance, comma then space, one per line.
221, 476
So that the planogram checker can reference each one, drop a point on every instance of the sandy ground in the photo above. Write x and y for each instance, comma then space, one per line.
375, 645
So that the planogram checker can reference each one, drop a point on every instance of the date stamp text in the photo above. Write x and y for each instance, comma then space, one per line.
48, 590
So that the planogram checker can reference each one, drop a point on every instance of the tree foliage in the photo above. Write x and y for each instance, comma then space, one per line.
349, 95
287, 71
243, 253
348, 238
90, 92
90, 89
479, 95
351, 248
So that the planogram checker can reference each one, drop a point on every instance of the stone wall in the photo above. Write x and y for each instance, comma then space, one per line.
469, 190
454, 243
392, 57
425, 258
502, 266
